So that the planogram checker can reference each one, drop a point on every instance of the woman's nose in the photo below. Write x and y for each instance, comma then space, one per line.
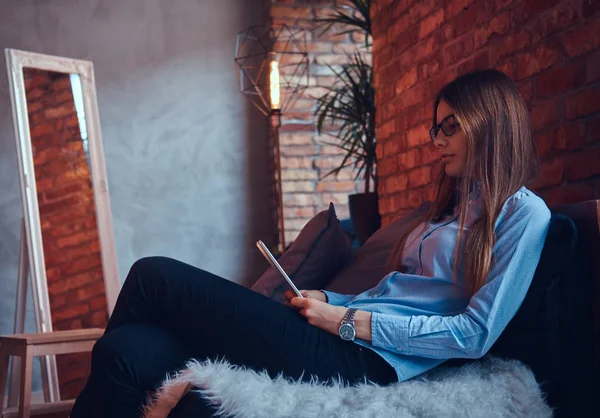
439, 141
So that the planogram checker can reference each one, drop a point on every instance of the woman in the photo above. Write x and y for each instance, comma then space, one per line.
459, 276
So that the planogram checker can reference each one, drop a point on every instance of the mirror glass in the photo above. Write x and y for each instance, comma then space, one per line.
71, 245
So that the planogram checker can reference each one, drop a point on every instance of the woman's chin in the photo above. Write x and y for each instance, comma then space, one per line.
452, 171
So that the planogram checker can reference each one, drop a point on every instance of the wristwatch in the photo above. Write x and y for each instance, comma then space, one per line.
347, 330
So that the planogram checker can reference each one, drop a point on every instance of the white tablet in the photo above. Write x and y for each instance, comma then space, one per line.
265, 251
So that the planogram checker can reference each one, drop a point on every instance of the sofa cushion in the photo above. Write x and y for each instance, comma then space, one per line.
319, 251
369, 263
533, 336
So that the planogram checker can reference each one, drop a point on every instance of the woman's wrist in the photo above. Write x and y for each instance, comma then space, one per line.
362, 323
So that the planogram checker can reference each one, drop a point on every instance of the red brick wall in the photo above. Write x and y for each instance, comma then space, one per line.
550, 48
67, 216
304, 159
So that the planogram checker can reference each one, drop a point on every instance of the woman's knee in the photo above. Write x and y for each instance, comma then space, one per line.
151, 264
139, 352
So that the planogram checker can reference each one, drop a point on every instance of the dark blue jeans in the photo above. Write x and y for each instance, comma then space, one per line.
168, 312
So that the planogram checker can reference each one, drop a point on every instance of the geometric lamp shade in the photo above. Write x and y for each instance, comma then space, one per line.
272, 66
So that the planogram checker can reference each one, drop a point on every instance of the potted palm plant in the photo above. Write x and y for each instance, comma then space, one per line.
349, 105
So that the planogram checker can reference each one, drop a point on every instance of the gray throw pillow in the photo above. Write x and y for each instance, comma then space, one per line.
369, 264
321, 249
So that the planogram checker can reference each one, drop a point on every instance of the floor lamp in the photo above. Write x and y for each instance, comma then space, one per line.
273, 71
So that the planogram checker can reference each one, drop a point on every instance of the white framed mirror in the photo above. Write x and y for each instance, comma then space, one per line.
67, 223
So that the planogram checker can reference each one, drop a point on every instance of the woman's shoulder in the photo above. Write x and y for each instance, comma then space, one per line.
525, 203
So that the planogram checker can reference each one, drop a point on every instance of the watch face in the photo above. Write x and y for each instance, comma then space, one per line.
347, 332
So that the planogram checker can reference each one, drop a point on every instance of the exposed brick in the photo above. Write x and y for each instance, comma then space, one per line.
478, 13
574, 135
76, 239
394, 146
409, 38
300, 199
299, 175
501, 46
583, 39
335, 186
544, 56
571, 193
442, 79
526, 9
419, 10
551, 142
99, 302
387, 166
478, 62
400, 26
297, 186
454, 52
326, 150
419, 176
336, 198
429, 154
413, 96
398, 7
431, 23
415, 198
543, 114
409, 159
590, 7
593, 130
82, 264
499, 25
500, 4
70, 312
98, 319
551, 173
406, 61
456, 7
296, 224
430, 67
526, 89
583, 165
69, 283
386, 130
304, 212
296, 162
407, 80
418, 136
560, 79
583, 103
295, 151
557, 19
59, 112
396, 183
592, 70
294, 138
299, 127
443, 35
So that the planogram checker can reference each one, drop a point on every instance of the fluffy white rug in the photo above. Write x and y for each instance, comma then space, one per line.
488, 388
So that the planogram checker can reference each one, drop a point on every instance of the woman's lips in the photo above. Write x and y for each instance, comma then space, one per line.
446, 158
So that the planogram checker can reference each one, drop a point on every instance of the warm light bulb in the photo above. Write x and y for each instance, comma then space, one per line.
274, 78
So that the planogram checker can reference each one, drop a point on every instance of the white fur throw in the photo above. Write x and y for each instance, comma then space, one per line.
488, 388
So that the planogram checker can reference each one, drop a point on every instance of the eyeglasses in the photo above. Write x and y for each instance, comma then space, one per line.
447, 126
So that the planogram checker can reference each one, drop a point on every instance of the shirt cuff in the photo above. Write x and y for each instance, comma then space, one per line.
336, 299
390, 332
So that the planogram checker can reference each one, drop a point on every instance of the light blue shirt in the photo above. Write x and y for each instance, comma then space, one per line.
419, 319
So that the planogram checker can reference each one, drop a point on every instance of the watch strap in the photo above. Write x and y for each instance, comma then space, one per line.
349, 316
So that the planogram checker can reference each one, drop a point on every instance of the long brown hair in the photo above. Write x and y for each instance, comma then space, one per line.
501, 156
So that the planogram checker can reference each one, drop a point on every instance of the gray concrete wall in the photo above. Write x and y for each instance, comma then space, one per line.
184, 150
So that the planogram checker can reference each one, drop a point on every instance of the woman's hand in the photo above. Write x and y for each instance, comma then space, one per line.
320, 314
327, 317
311, 294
